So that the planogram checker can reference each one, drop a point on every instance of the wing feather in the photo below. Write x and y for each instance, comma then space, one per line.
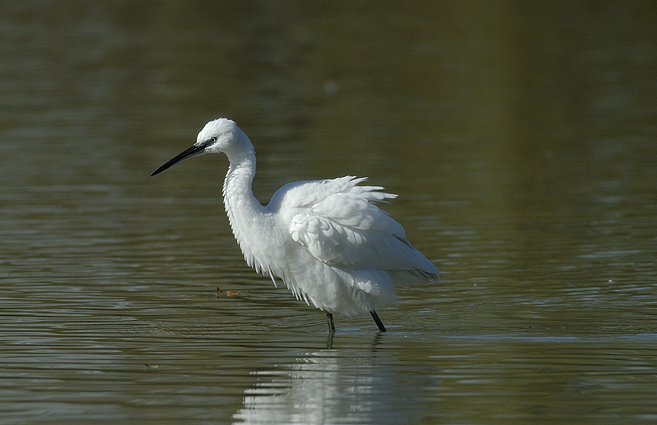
340, 225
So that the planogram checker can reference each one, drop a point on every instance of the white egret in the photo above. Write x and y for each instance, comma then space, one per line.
326, 239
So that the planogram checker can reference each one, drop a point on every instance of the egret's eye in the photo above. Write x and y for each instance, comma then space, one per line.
214, 139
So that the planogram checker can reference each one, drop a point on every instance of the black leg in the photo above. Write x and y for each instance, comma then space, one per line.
378, 321
329, 319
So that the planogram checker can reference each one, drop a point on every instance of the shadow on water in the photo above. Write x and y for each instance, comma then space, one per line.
416, 377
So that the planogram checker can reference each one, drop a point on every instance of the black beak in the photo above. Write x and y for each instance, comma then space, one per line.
194, 150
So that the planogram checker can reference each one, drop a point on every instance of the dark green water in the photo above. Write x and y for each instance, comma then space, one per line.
520, 137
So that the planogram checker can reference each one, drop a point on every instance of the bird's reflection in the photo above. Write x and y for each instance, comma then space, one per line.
329, 340
327, 386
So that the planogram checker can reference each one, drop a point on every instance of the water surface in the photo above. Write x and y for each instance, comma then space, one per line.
520, 138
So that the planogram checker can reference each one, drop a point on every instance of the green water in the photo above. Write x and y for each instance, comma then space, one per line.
520, 138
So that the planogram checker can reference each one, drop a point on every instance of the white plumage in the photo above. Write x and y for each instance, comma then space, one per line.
326, 239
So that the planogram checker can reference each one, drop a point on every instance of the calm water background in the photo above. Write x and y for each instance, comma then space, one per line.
520, 136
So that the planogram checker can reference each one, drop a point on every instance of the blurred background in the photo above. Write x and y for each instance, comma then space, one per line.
520, 137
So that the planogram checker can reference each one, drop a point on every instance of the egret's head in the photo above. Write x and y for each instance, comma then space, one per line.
220, 135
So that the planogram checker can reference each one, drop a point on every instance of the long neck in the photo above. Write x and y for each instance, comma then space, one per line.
245, 213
